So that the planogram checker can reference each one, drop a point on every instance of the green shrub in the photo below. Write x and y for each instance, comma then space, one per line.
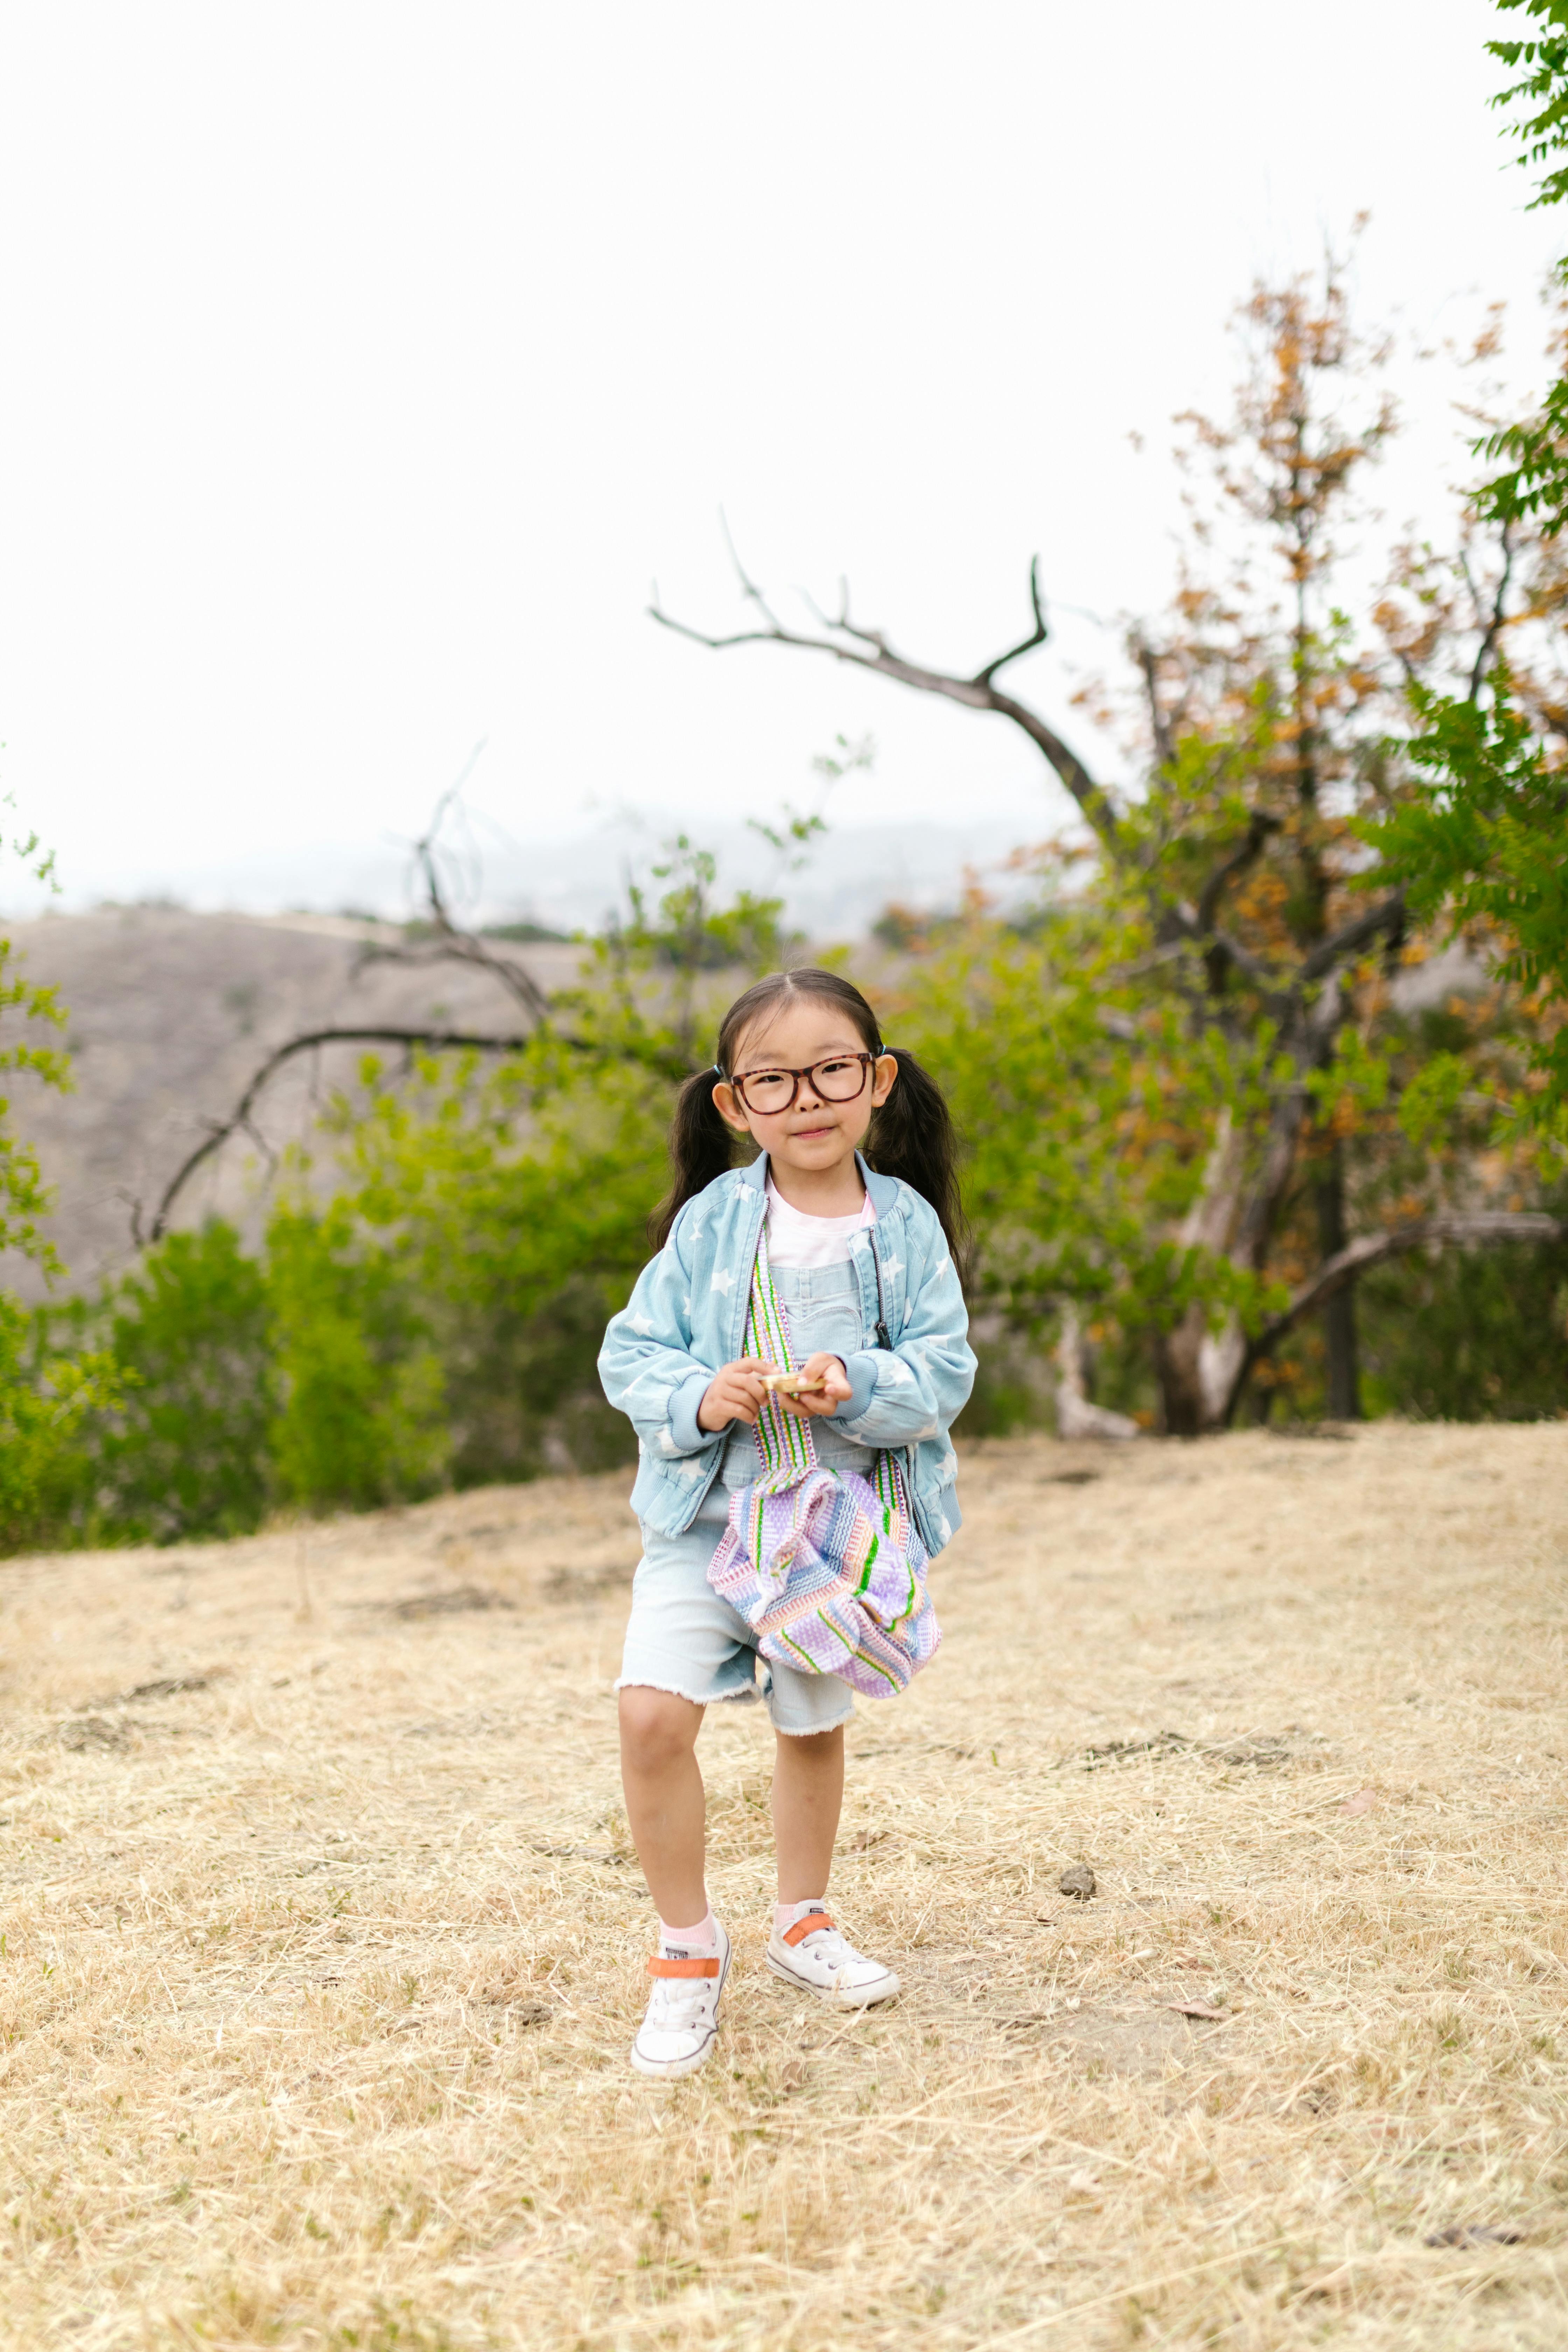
182, 1447
361, 1407
187, 1453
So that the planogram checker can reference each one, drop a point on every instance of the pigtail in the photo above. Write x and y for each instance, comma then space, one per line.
912, 1136
699, 1146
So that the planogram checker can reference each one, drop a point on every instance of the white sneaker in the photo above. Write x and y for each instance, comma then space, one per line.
815, 1956
678, 2032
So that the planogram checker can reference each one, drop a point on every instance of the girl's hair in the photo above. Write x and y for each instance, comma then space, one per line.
910, 1135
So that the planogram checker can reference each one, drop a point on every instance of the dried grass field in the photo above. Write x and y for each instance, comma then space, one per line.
322, 1941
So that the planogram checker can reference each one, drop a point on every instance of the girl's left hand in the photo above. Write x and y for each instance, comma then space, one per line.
834, 1380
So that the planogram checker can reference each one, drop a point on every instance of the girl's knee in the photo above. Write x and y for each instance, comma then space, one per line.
811, 1748
657, 1729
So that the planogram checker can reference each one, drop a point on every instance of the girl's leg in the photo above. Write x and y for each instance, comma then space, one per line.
663, 1798
664, 1806
808, 1791
806, 1948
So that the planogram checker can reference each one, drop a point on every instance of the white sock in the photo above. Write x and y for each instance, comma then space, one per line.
786, 1914
705, 1932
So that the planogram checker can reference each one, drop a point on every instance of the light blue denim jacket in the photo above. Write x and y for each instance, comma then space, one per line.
688, 1315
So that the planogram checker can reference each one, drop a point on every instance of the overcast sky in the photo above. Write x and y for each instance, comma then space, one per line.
363, 364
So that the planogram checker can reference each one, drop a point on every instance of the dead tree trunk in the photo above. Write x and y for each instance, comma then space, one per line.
1077, 1416
1194, 1363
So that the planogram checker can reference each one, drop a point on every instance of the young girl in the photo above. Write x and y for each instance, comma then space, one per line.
862, 1263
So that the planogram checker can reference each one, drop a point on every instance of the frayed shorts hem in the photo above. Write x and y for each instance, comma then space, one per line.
813, 1730
747, 1695
742, 1697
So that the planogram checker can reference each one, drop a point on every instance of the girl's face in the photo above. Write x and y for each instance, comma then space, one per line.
816, 1133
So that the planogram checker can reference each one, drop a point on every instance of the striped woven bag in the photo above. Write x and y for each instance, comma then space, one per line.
827, 1568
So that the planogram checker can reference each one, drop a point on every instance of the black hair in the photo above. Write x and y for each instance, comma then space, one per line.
910, 1137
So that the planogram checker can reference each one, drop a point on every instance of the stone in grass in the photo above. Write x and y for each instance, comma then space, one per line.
1077, 1881
523, 2011
91, 1731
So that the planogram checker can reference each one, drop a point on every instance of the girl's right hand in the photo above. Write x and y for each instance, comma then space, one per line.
735, 1393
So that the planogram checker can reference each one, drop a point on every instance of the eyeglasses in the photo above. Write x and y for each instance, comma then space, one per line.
838, 1079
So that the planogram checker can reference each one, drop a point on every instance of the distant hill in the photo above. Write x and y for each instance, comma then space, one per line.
170, 1015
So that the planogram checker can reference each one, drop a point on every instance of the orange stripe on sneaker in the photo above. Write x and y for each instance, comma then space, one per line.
662, 1967
806, 1927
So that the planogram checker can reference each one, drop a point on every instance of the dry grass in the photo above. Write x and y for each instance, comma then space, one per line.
318, 1974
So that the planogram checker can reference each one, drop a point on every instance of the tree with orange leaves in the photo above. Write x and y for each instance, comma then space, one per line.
1224, 1030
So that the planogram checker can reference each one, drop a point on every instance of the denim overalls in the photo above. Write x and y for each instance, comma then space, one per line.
822, 1304
682, 1636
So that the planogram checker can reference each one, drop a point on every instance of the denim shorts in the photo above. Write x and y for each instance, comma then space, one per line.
683, 1638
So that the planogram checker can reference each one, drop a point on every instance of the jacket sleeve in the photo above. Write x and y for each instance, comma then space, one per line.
645, 1363
919, 1388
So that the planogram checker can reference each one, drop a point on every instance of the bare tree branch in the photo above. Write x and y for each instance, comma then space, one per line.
1386, 916
1037, 636
241, 1116
844, 639
430, 1040
452, 944
1185, 920
463, 946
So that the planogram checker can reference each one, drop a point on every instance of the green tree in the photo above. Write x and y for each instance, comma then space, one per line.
1482, 848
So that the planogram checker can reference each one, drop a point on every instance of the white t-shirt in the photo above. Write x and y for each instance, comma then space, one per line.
795, 1239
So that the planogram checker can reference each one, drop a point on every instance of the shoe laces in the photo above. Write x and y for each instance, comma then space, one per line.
829, 1944
677, 2001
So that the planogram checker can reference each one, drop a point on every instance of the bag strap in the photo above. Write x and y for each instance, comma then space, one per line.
783, 1440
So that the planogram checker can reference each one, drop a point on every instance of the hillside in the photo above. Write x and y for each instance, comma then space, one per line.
324, 1941
170, 1015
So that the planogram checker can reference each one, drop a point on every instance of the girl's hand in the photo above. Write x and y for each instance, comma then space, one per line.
835, 1387
735, 1393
